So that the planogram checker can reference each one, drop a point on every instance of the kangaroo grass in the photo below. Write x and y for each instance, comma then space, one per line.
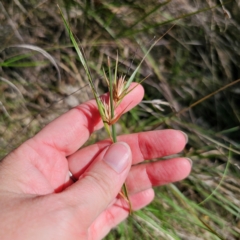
118, 89
106, 109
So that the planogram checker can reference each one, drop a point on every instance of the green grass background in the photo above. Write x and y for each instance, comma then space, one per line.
41, 77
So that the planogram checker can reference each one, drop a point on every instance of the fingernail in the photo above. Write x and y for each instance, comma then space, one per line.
190, 161
185, 135
117, 156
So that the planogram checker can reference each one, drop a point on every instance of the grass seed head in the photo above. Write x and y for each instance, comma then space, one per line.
107, 112
107, 118
119, 90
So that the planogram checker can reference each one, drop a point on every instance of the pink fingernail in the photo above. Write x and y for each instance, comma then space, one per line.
190, 161
185, 135
118, 156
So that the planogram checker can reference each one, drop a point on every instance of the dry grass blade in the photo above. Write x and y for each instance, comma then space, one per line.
138, 67
43, 52
13, 86
208, 96
4, 110
12, 23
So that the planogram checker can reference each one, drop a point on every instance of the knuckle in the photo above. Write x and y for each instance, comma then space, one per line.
101, 183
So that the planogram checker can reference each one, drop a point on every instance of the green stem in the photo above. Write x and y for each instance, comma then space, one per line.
125, 192
114, 135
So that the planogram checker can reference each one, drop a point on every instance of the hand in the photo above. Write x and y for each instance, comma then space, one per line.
39, 199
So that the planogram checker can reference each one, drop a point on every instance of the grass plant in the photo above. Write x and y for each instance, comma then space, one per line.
118, 89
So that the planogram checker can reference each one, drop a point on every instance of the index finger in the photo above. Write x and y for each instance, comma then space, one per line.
144, 146
71, 130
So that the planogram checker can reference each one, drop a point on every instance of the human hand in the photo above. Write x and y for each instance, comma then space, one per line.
39, 200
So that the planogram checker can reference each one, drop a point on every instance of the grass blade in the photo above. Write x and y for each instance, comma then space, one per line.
139, 65
86, 68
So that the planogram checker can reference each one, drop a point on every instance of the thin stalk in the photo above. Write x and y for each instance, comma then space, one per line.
114, 137
116, 68
125, 193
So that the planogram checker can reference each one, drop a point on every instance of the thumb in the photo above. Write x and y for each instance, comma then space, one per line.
101, 183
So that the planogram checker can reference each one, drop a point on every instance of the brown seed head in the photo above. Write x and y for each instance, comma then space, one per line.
118, 89
107, 112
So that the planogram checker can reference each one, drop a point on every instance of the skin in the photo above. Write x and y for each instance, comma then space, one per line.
39, 199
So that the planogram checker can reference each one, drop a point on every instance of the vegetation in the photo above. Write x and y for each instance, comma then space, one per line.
192, 85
